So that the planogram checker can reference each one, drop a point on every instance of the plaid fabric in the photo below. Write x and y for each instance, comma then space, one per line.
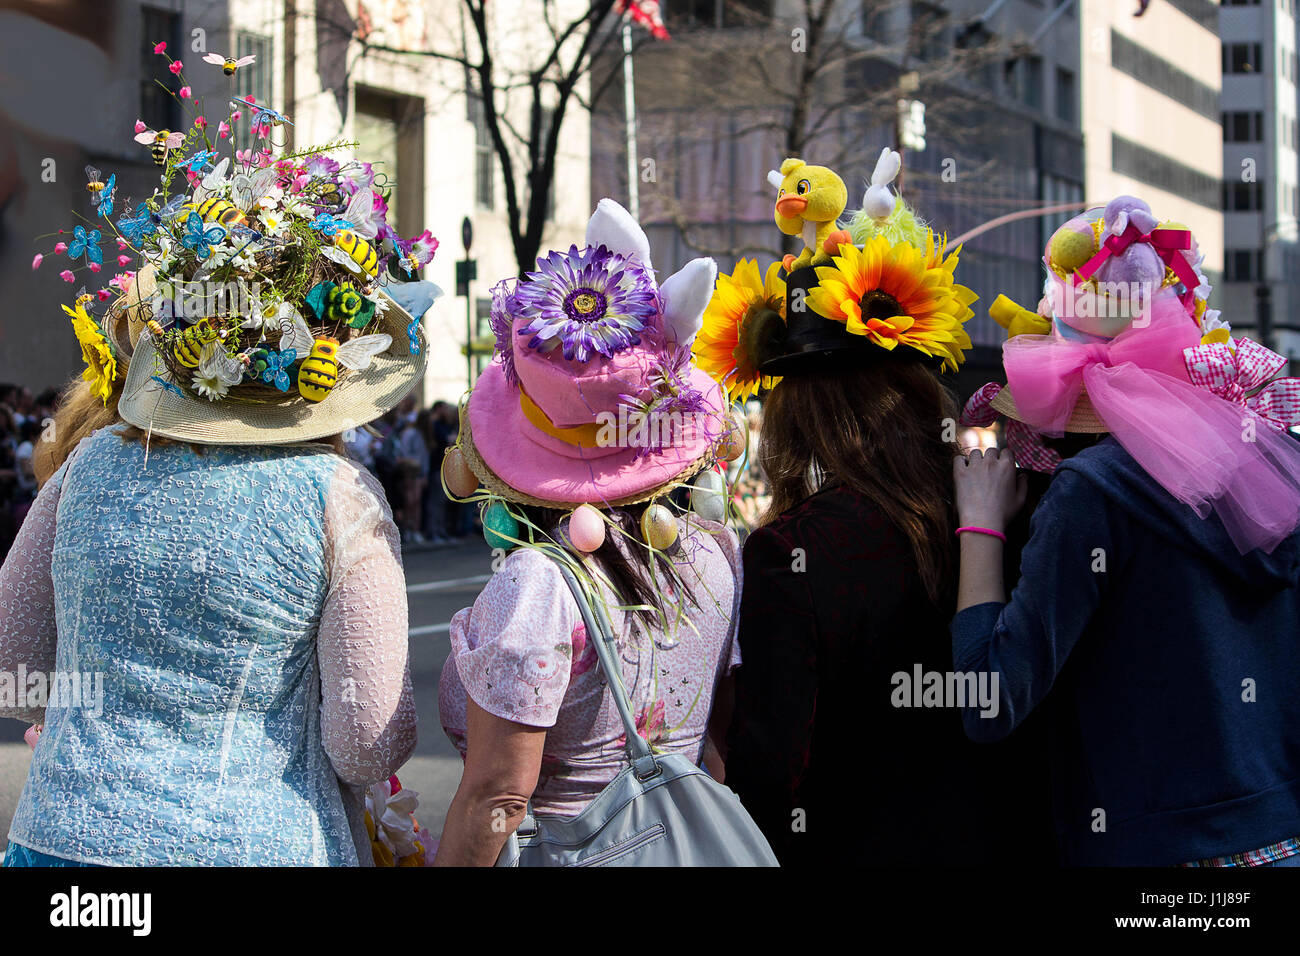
1268, 854
1026, 444
1241, 372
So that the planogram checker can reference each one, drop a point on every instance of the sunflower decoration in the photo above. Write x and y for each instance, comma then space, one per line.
96, 350
898, 294
741, 317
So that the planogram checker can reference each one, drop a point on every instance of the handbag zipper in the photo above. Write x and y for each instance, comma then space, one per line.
624, 848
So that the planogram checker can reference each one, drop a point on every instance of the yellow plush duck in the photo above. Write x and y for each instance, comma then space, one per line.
809, 200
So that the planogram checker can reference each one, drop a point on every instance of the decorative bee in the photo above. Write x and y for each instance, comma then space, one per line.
228, 64
320, 370
94, 184
84, 298
160, 142
188, 347
220, 211
354, 253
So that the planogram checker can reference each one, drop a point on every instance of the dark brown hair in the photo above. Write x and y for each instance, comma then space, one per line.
634, 575
880, 430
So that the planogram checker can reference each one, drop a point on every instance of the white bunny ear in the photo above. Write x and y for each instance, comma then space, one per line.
887, 167
686, 294
613, 227
774, 178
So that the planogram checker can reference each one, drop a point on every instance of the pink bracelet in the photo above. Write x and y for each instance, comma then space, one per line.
989, 531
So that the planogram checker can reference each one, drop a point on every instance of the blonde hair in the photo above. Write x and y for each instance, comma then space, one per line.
79, 412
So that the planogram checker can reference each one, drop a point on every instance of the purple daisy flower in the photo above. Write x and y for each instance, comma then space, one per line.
500, 320
587, 301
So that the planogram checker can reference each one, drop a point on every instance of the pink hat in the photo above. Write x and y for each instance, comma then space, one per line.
592, 396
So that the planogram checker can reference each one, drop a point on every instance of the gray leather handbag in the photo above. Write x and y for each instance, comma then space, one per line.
661, 810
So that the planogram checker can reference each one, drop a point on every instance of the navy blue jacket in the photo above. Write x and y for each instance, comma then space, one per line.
1176, 663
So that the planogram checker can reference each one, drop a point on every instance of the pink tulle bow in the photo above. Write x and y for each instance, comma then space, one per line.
1201, 448
1241, 373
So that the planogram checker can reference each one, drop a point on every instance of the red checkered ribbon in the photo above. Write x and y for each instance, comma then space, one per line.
1026, 444
646, 13
1243, 373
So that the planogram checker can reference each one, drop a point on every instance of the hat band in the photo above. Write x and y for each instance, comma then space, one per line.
584, 436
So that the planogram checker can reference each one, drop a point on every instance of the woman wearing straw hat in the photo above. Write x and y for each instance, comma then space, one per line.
1160, 586
213, 594
563, 433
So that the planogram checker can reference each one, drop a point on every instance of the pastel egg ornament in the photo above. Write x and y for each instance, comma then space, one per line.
500, 529
586, 529
659, 528
460, 479
732, 443
708, 496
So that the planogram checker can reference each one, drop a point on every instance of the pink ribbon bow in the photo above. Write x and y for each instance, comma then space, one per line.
1169, 245
1234, 374
1188, 438
1026, 445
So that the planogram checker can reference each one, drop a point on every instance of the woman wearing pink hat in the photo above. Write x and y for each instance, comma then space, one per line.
590, 416
1160, 586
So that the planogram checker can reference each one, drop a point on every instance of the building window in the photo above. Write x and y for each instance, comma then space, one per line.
1243, 197
1242, 265
484, 158
253, 80
1161, 75
930, 39
1156, 169
158, 108
1243, 127
1024, 78
1065, 95
1242, 58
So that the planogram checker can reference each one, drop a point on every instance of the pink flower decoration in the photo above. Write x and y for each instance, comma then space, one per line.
184, 92
104, 295
95, 267
121, 243
200, 122
193, 177
36, 262
223, 129
262, 130
66, 275
140, 127
60, 248
176, 67
123, 260
235, 115
160, 47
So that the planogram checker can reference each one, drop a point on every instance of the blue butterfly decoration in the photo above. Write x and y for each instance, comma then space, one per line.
104, 202
199, 239
138, 226
413, 333
328, 225
167, 385
85, 244
261, 114
277, 368
199, 161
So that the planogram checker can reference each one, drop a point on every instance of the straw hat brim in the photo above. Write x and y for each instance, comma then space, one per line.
152, 401
1084, 420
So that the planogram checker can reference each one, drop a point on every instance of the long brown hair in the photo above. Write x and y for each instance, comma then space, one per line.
879, 430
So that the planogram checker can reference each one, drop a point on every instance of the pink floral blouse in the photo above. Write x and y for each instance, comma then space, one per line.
522, 653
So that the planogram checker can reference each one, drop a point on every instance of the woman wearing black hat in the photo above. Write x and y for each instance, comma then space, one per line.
844, 739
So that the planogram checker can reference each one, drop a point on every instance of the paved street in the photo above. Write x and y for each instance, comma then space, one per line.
439, 583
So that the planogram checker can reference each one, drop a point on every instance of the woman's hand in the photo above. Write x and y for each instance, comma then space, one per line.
989, 489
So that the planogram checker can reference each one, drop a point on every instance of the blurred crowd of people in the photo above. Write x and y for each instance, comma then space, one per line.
404, 451
21, 417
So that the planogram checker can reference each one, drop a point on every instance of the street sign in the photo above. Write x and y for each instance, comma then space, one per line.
466, 272
466, 233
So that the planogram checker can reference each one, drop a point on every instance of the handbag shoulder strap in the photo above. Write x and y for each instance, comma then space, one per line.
600, 633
